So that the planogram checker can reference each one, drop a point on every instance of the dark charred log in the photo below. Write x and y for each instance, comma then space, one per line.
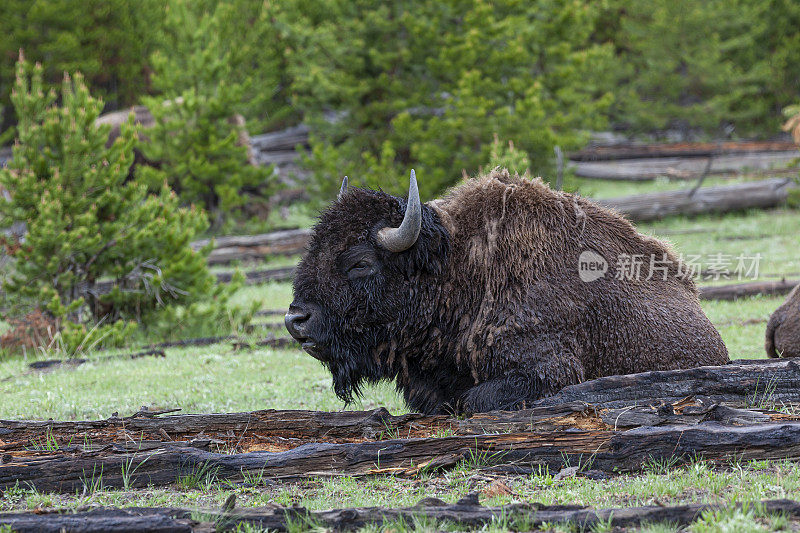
466, 513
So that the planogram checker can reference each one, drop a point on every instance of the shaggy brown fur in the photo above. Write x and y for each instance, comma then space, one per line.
487, 310
783, 328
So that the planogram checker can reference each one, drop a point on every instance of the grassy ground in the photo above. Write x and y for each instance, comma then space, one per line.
218, 378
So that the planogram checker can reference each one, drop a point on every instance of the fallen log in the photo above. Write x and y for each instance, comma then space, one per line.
740, 384
251, 277
270, 312
760, 194
161, 520
743, 290
287, 139
684, 167
467, 514
610, 451
287, 428
49, 364
255, 277
200, 341
659, 150
667, 426
243, 247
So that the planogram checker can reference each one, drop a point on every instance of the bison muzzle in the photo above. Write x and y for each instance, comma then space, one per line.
478, 301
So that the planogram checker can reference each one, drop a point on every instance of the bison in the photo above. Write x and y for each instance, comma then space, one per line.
783, 328
500, 293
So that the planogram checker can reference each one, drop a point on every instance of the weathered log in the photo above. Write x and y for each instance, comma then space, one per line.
264, 325
742, 290
744, 383
254, 277
286, 429
49, 364
684, 167
160, 520
282, 140
659, 150
552, 434
467, 513
760, 194
603, 450
200, 341
251, 277
227, 249
771, 382
270, 312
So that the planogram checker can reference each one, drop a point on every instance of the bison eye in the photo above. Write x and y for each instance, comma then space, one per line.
360, 269
358, 262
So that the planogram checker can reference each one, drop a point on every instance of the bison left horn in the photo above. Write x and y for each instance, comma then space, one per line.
342, 189
404, 237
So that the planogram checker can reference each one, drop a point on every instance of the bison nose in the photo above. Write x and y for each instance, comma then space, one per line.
295, 323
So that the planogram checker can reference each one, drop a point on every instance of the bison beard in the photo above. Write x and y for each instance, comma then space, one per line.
474, 302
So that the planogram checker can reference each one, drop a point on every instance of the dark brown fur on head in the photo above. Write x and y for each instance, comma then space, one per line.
783, 328
487, 310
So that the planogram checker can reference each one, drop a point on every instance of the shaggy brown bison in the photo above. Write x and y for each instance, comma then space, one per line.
501, 293
783, 328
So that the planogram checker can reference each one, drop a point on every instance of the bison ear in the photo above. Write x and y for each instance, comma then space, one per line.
342, 189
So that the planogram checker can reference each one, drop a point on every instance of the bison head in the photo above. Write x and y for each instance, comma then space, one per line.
366, 284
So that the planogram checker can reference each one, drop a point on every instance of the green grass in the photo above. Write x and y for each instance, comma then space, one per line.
196, 379
773, 234
593, 188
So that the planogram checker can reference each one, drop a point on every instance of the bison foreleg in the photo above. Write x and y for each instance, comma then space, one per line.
514, 389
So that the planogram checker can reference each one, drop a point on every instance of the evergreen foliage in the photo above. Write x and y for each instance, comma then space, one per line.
109, 41
427, 85
701, 66
196, 139
256, 59
86, 224
506, 155
387, 86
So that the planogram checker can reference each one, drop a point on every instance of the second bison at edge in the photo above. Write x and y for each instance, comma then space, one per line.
475, 302
783, 328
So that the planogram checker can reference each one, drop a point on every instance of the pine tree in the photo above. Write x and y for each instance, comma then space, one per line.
109, 41
196, 139
427, 85
87, 226
506, 155
702, 66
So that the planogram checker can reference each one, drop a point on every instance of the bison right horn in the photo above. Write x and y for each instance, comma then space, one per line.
342, 189
402, 238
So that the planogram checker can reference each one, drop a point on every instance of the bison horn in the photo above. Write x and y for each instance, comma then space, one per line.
343, 188
404, 237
